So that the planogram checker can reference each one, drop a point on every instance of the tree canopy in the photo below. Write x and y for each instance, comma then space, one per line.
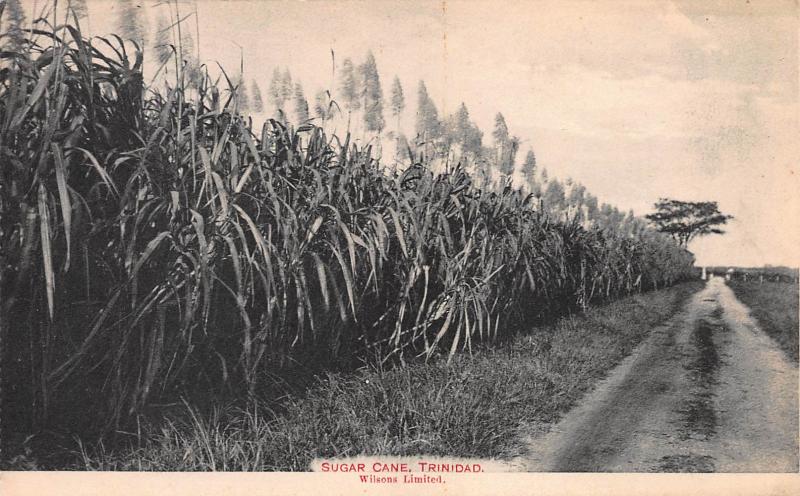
684, 221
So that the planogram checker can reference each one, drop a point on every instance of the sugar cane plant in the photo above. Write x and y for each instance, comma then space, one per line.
153, 242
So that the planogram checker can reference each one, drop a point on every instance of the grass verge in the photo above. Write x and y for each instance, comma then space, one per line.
474, 407
775, 306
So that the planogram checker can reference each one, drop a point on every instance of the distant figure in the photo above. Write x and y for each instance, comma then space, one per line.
729, 274
704, 276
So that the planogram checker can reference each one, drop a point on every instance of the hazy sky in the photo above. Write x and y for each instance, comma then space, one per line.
635, 99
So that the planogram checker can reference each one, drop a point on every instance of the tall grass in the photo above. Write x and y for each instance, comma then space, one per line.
774, 305
153, 241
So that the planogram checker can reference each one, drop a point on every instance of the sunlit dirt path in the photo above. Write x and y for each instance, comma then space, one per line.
706, 392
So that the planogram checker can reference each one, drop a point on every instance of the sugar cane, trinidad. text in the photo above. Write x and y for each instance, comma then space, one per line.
398, 467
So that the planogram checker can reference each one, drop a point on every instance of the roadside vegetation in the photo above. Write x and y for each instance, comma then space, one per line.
156, 246
775, 306
477, 406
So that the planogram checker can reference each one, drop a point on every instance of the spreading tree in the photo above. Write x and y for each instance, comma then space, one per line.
685, 221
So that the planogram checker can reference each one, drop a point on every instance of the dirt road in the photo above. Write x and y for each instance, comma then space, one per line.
707, 392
